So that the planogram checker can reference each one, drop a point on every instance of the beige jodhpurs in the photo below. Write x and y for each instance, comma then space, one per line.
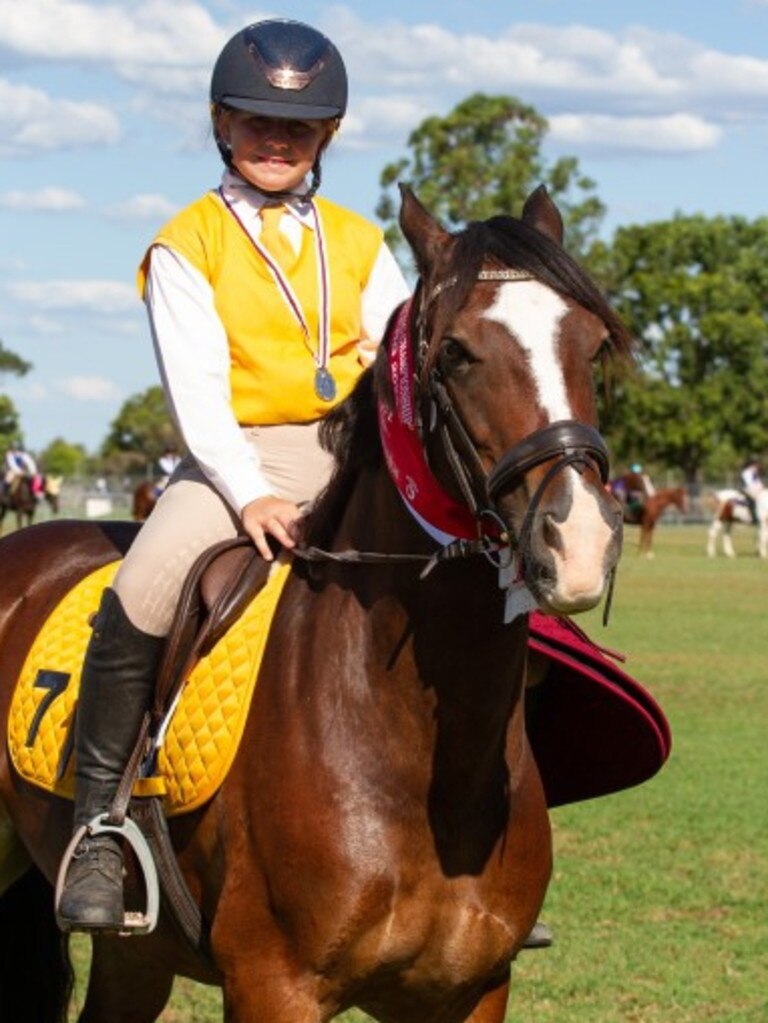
191, 515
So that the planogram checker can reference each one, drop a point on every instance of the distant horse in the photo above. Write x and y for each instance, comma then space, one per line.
51, 490
647, 511
382, 838
144, 499
23, 500
731, 506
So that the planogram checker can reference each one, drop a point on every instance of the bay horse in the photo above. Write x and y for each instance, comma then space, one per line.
23, 500
731, 507
647, 513
382, 839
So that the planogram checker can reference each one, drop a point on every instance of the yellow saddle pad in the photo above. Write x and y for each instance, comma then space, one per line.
202, 737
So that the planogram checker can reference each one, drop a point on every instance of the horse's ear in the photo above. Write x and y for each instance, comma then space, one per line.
426, 236
540, 212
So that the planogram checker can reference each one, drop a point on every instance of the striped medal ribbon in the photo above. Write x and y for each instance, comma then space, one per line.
325, 385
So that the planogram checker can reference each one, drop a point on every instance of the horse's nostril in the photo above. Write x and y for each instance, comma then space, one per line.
551, 533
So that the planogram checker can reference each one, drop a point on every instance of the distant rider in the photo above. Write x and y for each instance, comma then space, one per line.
18, 464
166, 463
752, 484
634, 489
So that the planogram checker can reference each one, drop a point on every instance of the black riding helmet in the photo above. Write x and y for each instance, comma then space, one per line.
280, 68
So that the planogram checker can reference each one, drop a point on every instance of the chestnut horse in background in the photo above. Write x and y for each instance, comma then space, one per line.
144, 500
382, 839
647, 513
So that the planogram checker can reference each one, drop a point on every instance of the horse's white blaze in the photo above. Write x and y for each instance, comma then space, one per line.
532, 312
585, 537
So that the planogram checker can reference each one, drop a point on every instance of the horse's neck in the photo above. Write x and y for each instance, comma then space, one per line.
459, 659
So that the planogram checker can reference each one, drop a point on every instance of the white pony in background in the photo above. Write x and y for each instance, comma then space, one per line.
732, 507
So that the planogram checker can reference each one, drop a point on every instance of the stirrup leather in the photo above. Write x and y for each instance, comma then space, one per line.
134, 922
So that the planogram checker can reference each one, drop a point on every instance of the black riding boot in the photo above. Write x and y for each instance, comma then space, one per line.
116, 688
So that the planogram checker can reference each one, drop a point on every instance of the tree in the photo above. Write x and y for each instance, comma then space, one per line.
10, 429
482, 159
10, 426
60, 458
693, 291
140, 433
12, 363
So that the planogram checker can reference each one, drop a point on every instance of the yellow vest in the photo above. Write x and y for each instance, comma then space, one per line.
272, 369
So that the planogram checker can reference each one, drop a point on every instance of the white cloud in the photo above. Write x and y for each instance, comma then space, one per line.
377, 120
84, 296
164, 49
678, 133
634, 72
143, 207
148, 33
48, 200
31, 122
87, 388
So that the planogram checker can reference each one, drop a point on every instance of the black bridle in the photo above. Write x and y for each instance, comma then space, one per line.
568, 442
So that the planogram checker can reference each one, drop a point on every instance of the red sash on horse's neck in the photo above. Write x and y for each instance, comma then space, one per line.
439, 514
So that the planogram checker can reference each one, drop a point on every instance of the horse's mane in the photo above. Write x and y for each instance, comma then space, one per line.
350, 432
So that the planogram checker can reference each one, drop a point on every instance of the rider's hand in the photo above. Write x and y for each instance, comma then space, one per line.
270, 516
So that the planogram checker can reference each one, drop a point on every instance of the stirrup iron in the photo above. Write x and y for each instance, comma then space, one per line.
134, 922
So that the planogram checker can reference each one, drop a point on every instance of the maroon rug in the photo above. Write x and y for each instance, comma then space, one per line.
593, 729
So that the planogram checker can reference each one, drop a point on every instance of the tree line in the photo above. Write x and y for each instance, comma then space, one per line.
692, 290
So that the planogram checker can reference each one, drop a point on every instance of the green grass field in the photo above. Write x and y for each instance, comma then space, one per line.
659, 900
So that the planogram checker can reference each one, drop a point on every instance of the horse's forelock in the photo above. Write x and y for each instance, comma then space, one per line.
509, 242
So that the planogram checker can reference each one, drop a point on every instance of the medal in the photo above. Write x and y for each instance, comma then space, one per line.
325, 385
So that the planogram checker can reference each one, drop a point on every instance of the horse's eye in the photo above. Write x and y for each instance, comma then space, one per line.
453, 356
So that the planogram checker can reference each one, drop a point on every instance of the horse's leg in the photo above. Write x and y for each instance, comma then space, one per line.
126, 985
712, 535
492, 1007
646, 535
728, 548
265, 989
762, 539
35, 972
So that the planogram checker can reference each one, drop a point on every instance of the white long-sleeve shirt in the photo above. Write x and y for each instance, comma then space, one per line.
193, 354
17, 460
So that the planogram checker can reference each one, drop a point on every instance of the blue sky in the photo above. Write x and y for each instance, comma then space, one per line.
104, 134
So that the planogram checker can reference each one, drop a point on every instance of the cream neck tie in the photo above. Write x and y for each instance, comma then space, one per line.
273, 239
